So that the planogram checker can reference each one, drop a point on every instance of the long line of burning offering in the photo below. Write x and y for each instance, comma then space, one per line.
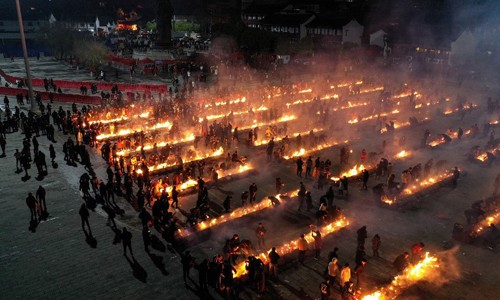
446, 138
307, 152
282, 119
401, 125
268, 202
230, 102
371, 117
122, 118
460, 109
411, 275
291, 246
159, 145
196, 157
191, 184
235, 113
357, 169
484, 156
292, 135
416, 187
492, 218
128, 131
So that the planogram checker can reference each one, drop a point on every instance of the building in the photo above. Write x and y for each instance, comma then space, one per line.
291, 24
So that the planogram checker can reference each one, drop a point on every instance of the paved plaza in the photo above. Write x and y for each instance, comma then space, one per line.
58, 262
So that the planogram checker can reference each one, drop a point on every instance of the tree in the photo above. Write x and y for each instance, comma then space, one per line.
59, 39
91, 53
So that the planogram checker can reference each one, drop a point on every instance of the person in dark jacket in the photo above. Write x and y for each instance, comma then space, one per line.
84, 215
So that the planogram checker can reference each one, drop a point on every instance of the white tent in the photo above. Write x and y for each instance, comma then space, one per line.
462, 49
377, 38
52, 19
352, 32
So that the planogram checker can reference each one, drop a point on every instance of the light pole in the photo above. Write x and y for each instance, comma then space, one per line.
25, 53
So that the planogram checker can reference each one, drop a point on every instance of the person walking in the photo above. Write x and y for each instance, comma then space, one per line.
146, 238
302, 247
273, 263
31, 203
84, 215
260, 232
127, 241
299, 164
40, 196
376, 242
252, 190
52, 153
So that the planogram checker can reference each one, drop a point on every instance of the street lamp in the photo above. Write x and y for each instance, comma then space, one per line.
25, 53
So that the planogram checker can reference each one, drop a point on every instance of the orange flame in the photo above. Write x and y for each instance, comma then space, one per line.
289, 247
410, 276
237, 213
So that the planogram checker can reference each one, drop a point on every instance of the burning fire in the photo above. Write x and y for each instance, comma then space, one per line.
410, 276
303, 152
493, 218
277, 139
167, 165
402, 154
230, 172
124, 132
484, 155
237, 213
289, 247
150, 146
356, 170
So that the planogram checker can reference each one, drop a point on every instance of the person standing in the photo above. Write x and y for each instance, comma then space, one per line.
301, 195
362, 235
227, 204
84, 215
299, 164
324, 288
345, 275
17, 155
456, 175
302, 247
309, 164
40, 196
260, 232
175, 197
359, 271
31, 203
333, 270
366, 176
253, 193
273, 263
279, 185
376, 242
318, 243
3, 142
203, 270
127, 241
187, 263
